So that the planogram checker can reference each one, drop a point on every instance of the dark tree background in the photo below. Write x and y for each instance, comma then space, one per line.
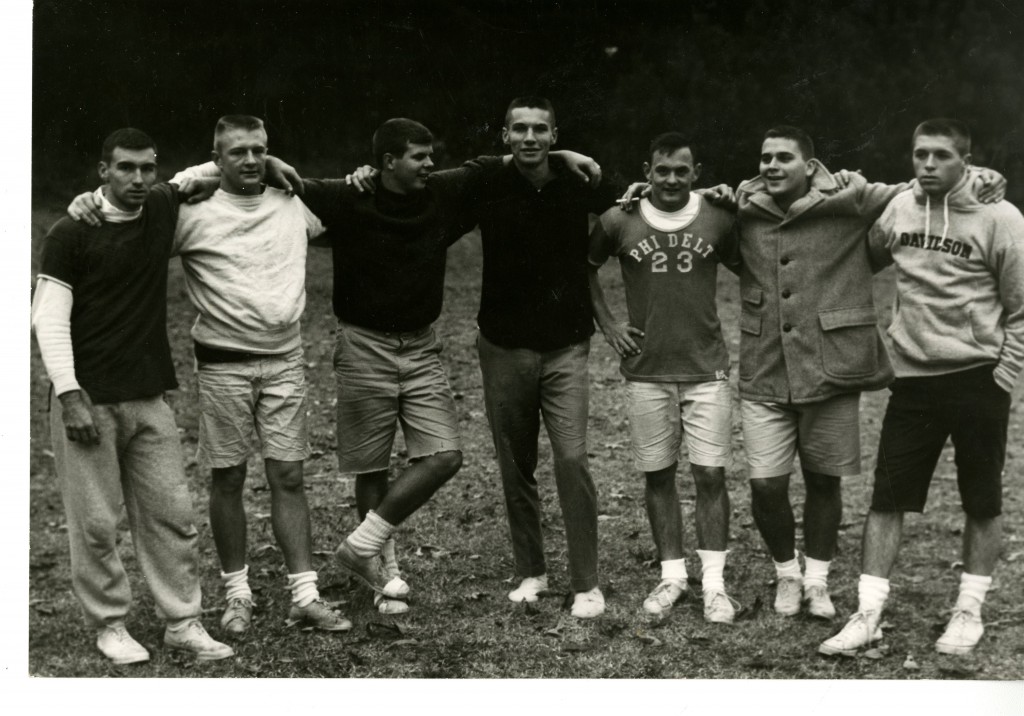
858, 74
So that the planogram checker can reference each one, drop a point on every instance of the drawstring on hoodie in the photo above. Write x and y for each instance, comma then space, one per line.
928, 216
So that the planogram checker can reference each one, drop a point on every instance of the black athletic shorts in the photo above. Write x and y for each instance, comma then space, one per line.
967, 406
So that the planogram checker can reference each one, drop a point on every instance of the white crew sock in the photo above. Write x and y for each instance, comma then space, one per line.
368, 538
789, 569
303, 588
815, 573
712, 569
674, 569
236, 584
872, 593
390, 558
973, 588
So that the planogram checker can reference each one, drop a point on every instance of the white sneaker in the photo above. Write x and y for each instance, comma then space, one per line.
819, 603
588, 605
787, 596
389, 606
118, 645
192, 637
962, 634
719, 607
665, 595
861, 630
529, 589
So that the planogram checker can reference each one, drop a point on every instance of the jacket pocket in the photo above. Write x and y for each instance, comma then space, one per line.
849, 341
750, 327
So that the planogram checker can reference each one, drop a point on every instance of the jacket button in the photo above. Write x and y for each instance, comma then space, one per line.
787, 327
784, 260
786, 293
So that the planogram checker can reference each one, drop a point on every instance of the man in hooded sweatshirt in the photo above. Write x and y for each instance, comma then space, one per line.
958, 348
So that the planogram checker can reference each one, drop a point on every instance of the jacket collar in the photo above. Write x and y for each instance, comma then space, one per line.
822, 185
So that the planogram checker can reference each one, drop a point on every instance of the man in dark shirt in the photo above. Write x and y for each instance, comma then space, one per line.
100, 318
535, 325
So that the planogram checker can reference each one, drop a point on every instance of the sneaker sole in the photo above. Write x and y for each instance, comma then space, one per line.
836, 651
201, 657
954, 650
730, 620
822, 615
125, 661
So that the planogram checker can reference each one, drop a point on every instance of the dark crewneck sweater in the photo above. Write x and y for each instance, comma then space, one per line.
389, 250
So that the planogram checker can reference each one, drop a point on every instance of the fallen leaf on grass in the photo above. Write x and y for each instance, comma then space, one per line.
1014, 557
555, 632
477, 596
648, 639
758, 662
262, 550
574, 647
44, 609
910, 665
958, 669
431, 551
874, 654
402, 642
261, 515
474, 556
383, 631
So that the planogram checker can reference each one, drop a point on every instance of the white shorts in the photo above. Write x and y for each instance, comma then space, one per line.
660, 413
826, 434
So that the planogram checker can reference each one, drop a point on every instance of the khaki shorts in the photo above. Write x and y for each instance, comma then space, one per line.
242, 400
826, 434
385, 380
661, 413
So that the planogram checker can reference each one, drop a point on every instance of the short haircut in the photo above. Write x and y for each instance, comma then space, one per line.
126, 138
530, 102
802, 138
395, 135
670, 142
953, 128
235, 121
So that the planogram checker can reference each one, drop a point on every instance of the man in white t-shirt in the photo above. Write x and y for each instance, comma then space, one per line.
674, 360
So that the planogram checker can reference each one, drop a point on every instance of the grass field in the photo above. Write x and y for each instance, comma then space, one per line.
456, 553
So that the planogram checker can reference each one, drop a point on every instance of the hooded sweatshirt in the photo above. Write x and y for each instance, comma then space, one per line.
959, 298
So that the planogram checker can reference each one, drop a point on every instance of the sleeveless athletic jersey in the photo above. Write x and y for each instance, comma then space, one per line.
670, 277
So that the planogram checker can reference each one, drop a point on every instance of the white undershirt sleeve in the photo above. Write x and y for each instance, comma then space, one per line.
51, 321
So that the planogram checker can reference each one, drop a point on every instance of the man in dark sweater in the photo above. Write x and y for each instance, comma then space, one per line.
100, 318
535, 325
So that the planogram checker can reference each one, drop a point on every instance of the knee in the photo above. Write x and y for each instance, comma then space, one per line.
823, 486
709, 480
447, 463
228, 480
770, 492
285, 476
660, 480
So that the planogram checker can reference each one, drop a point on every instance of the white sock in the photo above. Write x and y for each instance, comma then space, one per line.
390, 559
872, 593
712, 569
236, 584
973, 588
674, 569
789, 569
815, 573
368, 538
303, 588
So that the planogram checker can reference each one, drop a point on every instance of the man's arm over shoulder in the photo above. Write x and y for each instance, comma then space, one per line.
330, 199
880, 235
1009, 270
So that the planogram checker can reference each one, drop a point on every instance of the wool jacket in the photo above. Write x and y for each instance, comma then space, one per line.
808, 328
959, 297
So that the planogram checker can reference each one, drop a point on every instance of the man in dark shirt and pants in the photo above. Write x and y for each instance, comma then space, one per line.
535, 325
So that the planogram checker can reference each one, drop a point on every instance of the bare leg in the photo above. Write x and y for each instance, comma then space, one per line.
418, 484
371, 489
289, 514
882, 534
664, 513
982, 540
712, 510
769, 501
823, 511
227, 516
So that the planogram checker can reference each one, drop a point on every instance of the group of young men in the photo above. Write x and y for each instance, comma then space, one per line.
804, 242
